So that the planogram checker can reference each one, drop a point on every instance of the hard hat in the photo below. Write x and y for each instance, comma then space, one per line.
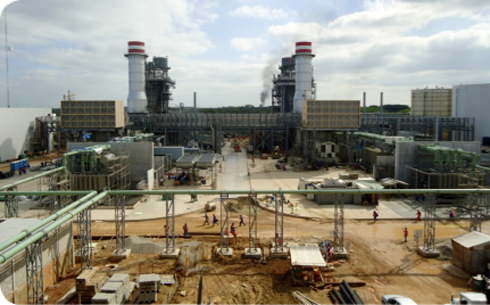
233, 223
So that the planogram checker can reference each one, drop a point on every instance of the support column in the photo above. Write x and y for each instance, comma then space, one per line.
120, 214
429, 249
338, 249
224, 247
170, 251
11, 205
34, 273
84, 238
475, 206
253, 251
278, 247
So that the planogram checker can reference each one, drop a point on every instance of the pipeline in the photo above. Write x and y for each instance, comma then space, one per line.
51, 227
352, 294
23, 234
9, 186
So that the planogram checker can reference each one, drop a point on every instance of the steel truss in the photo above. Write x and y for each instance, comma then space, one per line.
11, 205
338, 232
84, 238
430, 223
476, 205
252, 222
170, 224
223, 198
120, 213
279, 213
34, 273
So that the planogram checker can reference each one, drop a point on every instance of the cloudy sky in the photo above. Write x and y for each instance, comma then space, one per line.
224, 49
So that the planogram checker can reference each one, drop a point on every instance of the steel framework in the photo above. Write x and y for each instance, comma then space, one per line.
34, 273
252, 222
476, 205
338, 232
84, 238
11, 205
120, 213
279, 230
170, 224
223, 198
430, 223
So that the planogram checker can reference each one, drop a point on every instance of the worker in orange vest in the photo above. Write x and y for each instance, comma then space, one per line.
418, 215
186, 230
233, 232
227, 232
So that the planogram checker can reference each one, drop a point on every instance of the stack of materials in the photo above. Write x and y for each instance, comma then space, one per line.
88, 283
115, 288
149, 285
104, 298
345, 295
126, 285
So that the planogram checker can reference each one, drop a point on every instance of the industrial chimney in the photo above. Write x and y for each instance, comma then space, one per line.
137, 101
304, 75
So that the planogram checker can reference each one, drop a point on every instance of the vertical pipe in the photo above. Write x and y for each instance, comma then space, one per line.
381, 113
195, 103
364, 104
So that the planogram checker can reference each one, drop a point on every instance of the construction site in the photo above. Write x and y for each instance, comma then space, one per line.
314, 203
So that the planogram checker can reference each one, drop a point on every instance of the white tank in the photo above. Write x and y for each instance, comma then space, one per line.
136, 55
304, 74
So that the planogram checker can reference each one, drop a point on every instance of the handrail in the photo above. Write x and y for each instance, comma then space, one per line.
8, 186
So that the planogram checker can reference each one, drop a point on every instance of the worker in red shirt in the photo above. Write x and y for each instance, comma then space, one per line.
186, 229
405, 233
418, 215
227, 232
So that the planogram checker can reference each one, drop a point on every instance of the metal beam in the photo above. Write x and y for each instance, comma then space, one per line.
84, 238
430, 224
475, 207
120, 213
170, 224
279, 213
223, 197
338, 232
11, 205
252, 222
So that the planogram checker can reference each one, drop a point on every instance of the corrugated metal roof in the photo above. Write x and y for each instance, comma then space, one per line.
306, 256
472, 239
206, 160
13, 226
187, 160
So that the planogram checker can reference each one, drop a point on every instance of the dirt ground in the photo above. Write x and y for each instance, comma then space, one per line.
378, 256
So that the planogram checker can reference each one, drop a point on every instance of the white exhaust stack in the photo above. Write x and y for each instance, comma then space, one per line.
136, 55
304, 74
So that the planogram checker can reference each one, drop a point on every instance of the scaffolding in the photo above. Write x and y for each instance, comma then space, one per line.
169, 224
120, 215
34, 273
84, 238
338, 232
252, 222
430, 224
224, 244
279, 222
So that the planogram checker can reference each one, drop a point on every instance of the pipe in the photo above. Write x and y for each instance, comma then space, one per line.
51, 227
47, 220
44, 193
9, 186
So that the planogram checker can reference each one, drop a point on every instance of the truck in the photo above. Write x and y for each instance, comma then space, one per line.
469, 298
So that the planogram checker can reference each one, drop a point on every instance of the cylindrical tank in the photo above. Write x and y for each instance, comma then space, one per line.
136, 55
304, 74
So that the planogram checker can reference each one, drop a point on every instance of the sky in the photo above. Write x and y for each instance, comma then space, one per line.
227, 50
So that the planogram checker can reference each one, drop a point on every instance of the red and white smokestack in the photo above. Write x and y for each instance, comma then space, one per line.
137, 100
304, 74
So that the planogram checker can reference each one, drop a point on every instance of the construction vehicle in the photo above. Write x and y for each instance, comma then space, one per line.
277, 152
469, 298
210, 206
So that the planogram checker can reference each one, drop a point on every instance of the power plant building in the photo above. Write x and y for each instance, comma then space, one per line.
283, 87
431, 102
158, 85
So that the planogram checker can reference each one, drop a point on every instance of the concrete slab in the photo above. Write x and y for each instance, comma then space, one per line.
427, 254
226, 252
279, 253
119, 256
167, 254
340, 253
255, 253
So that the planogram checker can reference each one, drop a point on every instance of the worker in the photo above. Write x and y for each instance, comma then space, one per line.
253, 160
226, 233
232, 226
416, 197
329, 255
284, 166
215, 220
241, 221
405, 233
418, 215
20, 171
451, 214
234, 233
166, 229
206, 219
375, 215
186, 229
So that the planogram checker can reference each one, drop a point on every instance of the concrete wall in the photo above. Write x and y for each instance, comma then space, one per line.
16, 130
406, 154
473, 101
52, 268
141, 157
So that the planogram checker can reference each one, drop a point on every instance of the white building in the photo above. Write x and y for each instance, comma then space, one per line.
473, 101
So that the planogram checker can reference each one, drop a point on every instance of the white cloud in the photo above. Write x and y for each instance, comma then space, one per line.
259, 11
247, 44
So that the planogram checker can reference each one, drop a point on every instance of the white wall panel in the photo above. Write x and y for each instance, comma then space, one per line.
473, 101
